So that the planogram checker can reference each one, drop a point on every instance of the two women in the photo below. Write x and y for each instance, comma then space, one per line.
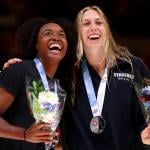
105, 112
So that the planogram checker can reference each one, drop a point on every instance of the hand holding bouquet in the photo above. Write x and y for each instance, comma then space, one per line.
46, 106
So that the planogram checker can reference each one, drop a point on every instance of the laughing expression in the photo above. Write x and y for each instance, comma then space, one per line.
52, 42
92, 29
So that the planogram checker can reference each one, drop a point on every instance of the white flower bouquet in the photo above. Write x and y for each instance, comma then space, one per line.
46, 106
143, 93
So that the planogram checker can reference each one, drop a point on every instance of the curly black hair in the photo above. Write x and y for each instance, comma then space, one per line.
26, 39
26, 36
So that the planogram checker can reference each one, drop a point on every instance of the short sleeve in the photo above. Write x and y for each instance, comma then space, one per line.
12, 79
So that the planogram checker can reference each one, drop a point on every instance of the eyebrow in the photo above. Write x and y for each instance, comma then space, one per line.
60, 30
87, 19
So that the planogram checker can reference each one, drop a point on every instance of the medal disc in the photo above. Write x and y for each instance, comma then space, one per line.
97, 124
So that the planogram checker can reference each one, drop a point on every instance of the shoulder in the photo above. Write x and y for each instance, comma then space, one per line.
23, 64
140, 67
137, 61
13, 78
17, 68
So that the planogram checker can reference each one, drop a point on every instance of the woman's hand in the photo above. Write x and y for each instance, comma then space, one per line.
40, 132
145, 135
10, 62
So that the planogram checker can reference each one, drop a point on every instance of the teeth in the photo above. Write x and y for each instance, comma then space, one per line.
94, 36
55, 45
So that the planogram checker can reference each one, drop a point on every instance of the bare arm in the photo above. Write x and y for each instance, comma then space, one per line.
7, 130
34, 134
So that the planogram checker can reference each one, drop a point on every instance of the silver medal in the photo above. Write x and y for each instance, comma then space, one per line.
97, 124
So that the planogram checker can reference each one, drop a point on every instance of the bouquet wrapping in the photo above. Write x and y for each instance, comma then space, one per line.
46, 106
143, 93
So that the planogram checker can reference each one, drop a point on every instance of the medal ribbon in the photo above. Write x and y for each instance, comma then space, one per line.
96, 104
42, 73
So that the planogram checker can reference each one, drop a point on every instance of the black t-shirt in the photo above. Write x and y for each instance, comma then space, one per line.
13, 80
121, 111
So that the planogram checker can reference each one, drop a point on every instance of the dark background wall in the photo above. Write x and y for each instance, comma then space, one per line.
129, 21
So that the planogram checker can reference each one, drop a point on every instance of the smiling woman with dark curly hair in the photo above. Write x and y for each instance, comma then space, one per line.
46, 43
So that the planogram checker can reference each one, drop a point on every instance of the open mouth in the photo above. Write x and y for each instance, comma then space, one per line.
55, 47
94, 37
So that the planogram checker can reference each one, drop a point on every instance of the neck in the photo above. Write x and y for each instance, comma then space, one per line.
98, 65
50, 68
100, 68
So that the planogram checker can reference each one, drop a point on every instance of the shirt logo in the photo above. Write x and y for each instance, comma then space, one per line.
124, 76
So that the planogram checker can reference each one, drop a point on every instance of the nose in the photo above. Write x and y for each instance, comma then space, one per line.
55, 38
93, 27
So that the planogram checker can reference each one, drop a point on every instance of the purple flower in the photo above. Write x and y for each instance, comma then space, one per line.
48, 106
146, 93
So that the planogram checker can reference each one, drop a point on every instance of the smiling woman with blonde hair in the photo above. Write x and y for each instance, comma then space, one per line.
105, 113
111, 49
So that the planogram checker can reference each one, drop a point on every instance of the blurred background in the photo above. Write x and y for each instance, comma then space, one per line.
129, 21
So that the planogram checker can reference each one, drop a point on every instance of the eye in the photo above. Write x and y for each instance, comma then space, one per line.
86, 23
47, 33
62, 35
99, 22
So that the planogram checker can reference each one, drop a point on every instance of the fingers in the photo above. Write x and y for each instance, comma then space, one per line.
49, 139
40, 132
148, 125
145, 135
10, 62
42, 125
